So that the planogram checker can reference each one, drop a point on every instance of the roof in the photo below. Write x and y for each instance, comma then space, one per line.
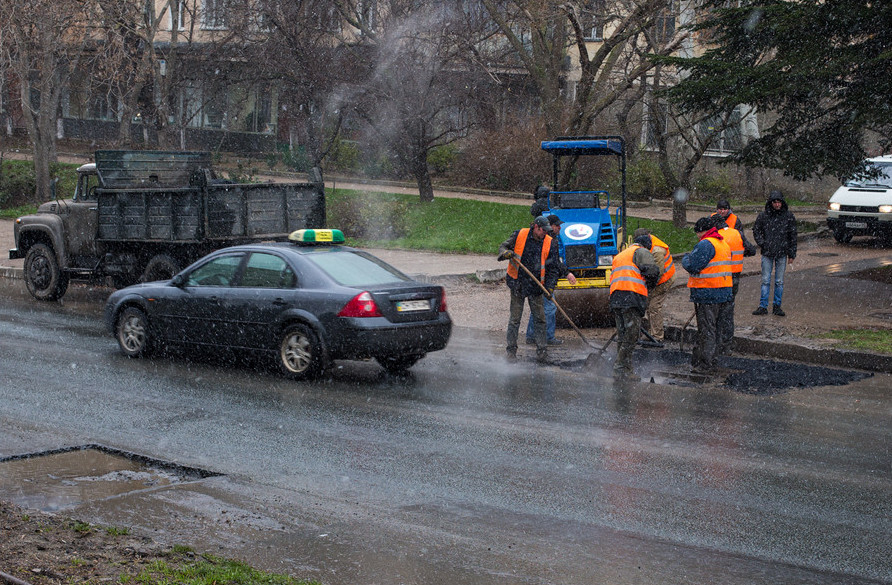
583, 146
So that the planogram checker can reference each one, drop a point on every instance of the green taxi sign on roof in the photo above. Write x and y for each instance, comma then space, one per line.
317, 236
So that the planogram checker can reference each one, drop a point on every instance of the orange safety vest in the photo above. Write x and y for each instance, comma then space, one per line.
735, 242
625, 274
731, 220
668, 265
519, 244
716, 274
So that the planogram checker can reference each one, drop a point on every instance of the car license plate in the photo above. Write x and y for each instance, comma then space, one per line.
403, 306
858, 225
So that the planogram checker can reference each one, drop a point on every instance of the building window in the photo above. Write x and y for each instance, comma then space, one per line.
664, 24
725, 138
656, 123
177, 9
215, 15
593, 20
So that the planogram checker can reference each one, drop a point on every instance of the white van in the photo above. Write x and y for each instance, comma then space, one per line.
863, 206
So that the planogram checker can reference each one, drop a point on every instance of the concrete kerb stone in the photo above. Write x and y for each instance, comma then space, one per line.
11, 273
794, 352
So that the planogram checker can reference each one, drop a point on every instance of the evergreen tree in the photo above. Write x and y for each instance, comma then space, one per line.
819, 72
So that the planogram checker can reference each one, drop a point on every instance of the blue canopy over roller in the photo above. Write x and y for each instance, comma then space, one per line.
583, 146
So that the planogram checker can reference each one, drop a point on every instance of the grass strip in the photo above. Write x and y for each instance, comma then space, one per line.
869, 340
466, 226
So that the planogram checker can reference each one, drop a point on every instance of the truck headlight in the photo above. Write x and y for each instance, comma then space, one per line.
833, 206
885, 208
605, 260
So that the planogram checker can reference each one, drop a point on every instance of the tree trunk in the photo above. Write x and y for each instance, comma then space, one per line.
679, 213
423, 178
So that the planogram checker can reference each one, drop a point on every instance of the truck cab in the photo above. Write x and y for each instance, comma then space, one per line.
863, 204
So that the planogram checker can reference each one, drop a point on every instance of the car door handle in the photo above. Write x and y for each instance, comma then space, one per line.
214, 300
279, 302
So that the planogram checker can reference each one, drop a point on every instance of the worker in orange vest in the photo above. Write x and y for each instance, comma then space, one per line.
723, 211
633, 272
709, 266
534, 248
657, 295
740, 248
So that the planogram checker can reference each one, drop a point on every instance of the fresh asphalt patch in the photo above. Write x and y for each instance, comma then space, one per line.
757, 376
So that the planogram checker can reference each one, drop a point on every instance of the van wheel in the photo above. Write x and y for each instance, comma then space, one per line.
160, 267
299, 355
842, 235
43, 276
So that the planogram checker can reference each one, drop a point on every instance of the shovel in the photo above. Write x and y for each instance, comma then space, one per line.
600, 350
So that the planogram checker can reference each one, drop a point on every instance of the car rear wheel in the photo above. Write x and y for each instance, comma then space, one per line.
132, 333
300, 352
842, 235
43, 276
398, 364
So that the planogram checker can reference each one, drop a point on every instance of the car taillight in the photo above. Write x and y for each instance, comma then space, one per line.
362, 305
442, 300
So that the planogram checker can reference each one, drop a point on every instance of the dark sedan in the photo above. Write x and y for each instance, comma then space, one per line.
307, 302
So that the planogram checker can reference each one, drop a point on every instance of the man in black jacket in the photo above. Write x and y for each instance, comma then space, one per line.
536, 250
775, 233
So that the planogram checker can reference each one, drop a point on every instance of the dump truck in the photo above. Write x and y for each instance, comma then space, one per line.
590, 237
144, 215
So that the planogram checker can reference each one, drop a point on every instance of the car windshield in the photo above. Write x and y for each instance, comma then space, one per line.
883, 179
353, 268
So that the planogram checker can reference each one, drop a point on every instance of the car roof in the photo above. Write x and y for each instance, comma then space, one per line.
289, 247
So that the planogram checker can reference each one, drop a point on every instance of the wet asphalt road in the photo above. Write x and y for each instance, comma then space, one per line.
467, 471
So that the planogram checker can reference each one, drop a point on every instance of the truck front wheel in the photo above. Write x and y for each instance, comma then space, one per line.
160, 267
43, 276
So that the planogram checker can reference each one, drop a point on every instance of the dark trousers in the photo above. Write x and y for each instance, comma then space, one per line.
725, 322
709, 316
628, 327
537, 311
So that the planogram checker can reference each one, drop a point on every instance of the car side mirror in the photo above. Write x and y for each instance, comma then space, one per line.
179, 281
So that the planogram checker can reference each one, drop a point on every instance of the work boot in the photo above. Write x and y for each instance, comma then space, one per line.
541, 357
776, 309
555, 341
761, 311
511, 356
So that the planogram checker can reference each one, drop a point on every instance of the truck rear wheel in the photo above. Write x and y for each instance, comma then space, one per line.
43, 276
160, 267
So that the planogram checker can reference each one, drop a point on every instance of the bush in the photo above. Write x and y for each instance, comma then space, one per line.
369, 216
713, 186
440, 158
295, 159
645, 180
506, 159
18, 185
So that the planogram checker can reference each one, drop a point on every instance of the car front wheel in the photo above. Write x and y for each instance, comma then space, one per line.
132, 333
300, 353
398, 364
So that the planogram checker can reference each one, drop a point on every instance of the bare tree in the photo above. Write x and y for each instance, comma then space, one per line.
422, 79
47, 40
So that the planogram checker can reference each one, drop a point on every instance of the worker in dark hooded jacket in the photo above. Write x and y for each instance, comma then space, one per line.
540, 205
709, 267
633, 272
775, 233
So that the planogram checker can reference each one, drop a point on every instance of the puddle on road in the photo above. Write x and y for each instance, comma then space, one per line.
65, 478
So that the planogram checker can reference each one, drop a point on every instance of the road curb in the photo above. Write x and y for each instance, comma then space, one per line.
790, 351
11, 272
